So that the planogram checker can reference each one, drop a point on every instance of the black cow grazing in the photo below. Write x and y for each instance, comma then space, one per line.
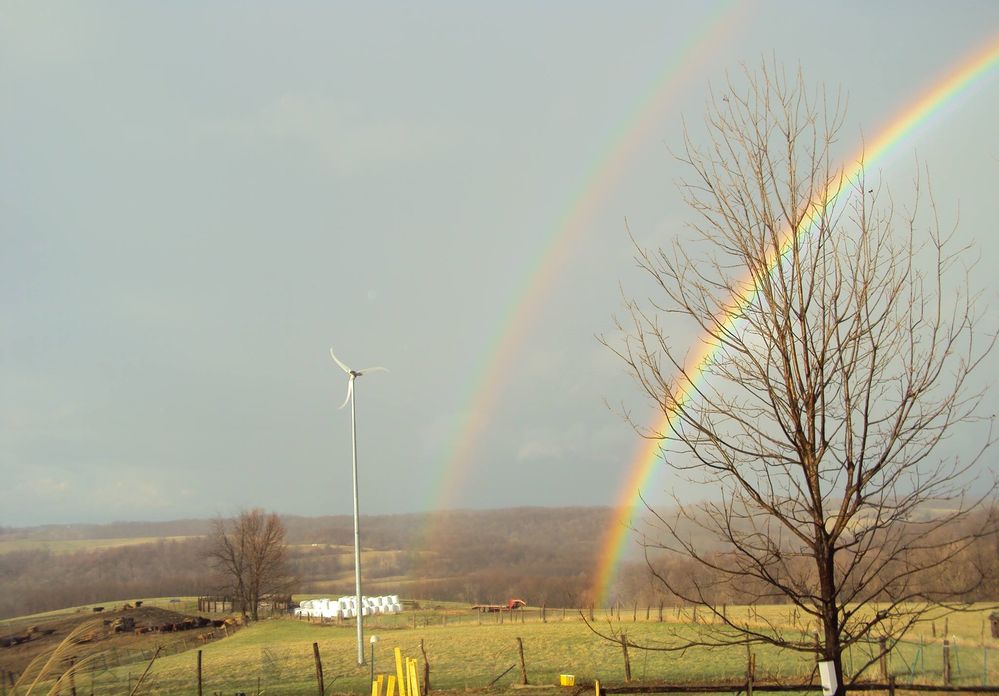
98, 609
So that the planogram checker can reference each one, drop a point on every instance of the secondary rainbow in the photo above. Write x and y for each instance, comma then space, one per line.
966, 74
522, 314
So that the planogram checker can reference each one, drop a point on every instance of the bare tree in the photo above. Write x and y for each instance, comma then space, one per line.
251, 553
842, 342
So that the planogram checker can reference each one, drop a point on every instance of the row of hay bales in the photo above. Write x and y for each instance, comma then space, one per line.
346, 607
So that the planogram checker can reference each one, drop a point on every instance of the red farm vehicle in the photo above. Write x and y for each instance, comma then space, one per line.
509, 606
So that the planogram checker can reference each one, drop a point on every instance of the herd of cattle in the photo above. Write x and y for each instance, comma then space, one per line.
126, 624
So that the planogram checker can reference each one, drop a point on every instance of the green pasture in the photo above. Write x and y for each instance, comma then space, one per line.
465, 653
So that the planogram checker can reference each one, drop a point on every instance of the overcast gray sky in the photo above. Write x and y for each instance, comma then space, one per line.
197, 200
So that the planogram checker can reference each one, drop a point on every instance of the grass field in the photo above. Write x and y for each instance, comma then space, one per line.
74, 545
276, 655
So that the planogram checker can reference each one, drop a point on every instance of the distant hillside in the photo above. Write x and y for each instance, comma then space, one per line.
543, 555
546, 554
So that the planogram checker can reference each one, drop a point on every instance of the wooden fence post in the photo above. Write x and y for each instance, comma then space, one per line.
426, 670
523, 665
319, 669
660, 611
627, 660
883, 650
946, 662
544, 619
891, 685
199, 674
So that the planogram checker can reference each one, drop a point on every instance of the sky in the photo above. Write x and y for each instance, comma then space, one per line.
199, 200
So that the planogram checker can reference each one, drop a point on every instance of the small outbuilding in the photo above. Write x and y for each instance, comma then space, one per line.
994, 618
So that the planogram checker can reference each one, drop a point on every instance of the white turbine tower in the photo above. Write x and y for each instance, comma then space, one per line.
354, 374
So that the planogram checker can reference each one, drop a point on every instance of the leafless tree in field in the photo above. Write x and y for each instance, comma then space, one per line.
251, 554
846, 339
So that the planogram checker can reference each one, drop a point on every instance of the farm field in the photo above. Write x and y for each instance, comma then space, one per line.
74, 545
468, 652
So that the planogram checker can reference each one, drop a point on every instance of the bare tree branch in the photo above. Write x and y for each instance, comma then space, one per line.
842, 340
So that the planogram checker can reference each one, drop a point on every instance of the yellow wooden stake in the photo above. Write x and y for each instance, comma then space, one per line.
414, 679
375, 691
596, 687
401, 680
391, 686
380, 681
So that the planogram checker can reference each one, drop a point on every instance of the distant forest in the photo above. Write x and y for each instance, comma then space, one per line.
542, 555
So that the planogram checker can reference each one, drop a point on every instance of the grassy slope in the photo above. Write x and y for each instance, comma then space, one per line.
467, 655
74, 545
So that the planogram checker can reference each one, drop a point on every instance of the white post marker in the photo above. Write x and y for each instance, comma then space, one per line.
827, 672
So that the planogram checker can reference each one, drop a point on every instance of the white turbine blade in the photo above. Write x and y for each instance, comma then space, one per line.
372, 369
337, 361
350, 390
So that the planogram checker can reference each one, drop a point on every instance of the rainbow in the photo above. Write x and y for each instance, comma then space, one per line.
958, 81
522, 314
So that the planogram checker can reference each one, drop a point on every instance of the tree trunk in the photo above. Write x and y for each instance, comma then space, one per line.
831, 648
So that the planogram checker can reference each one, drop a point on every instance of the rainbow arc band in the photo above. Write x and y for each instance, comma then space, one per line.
514, 328
974, 69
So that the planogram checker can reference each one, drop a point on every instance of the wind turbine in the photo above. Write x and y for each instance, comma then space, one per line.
354, 374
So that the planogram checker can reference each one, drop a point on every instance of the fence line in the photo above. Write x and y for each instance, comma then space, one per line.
744, 687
